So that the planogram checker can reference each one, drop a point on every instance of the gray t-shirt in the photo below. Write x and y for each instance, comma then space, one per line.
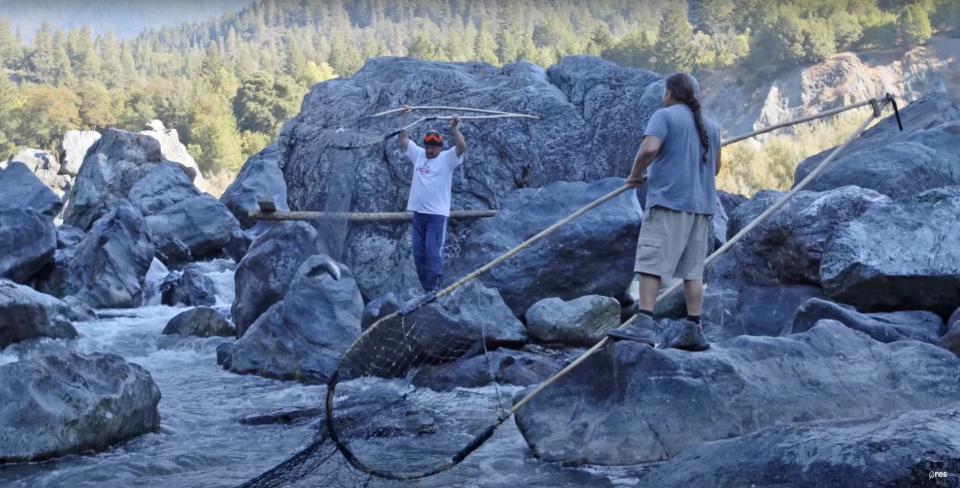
678, 178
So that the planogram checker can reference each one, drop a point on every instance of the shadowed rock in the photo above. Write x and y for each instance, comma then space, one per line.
579, 322
27, 314
20, 188
884, 327
28, 241
200, 322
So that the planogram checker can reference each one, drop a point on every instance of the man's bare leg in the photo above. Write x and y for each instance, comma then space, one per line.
693, 294
649, 289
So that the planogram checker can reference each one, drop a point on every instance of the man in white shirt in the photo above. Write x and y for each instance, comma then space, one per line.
429, 198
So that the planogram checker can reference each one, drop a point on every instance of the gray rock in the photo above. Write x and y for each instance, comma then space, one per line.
164, 185
592, 255
174, 150
28, 314
502, 366
200, 322
447, 329
67, 403
202, 224
789, 244
260, 179
899, 256
631, 403
898, 164
20, 188
74, 148
265, 272
110, 169
951, 339
109, 266
303, 336
592, 112
190, 288
749, 210
28, 241
68, 236
579, 322
224, 353
896, 450
730, 201
884, 327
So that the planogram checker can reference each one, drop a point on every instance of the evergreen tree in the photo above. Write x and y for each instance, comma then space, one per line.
8, 98
914, 25
674, 47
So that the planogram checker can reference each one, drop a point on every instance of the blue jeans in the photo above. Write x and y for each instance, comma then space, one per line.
429, 232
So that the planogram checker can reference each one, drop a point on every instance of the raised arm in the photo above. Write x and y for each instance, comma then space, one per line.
461, 144
402, 138
645, 155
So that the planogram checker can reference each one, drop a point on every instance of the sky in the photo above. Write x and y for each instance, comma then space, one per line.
125, 18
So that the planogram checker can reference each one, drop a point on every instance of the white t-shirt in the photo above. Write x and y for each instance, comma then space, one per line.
432, 180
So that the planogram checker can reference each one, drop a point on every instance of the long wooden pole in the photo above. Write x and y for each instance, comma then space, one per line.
801, 120
366, 216
454, 109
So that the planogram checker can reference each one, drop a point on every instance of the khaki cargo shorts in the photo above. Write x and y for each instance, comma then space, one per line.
672, 243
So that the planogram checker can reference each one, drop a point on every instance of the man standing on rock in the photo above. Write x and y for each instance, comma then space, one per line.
682, 151
429, 198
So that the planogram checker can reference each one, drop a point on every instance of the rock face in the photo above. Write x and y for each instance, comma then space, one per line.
260, 179
110, 169
164, 185
265, 272
45, 169
74, 148
28, 241
899, 164
591, 114
200, 322
62, 404
579, 322
789, 244
108, 267
20, 188
631, 403
303, 336
27, 314
592, 255
172, 149
201, 225
190, 288
951, 339
900, 449
897, 257
507, 367
884, 327
448, 328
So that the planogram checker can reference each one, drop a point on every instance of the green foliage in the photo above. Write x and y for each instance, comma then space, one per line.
43, 113
946, 15
673, 50
914, 25
263, 103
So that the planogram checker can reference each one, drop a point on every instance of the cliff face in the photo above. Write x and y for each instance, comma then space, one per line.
842, 79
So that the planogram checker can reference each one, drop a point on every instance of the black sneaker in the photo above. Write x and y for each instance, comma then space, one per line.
690, 338
640, 330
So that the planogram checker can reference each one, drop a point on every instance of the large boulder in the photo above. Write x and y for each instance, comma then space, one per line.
200, 322
44, 167
191, 287
898, 164
951, 339
110, 169
303, 336
164, 185
899, 256
260, 178
592, 255
67, 403
631, 403
108, 268
74, 148
903, 449
453, 326
579, 322
789, 244
28, 241
503, 366
28, 314
173, 150
202, 225
591, 111
748, 211
20, 188
265, 272
884, 327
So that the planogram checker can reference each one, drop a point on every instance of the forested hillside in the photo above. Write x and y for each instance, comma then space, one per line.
228, 85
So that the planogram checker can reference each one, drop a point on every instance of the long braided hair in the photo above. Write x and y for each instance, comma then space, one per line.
681, 87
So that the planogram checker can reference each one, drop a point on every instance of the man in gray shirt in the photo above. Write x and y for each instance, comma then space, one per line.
680, 153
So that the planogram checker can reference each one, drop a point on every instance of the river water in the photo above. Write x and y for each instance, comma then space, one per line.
201, 442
